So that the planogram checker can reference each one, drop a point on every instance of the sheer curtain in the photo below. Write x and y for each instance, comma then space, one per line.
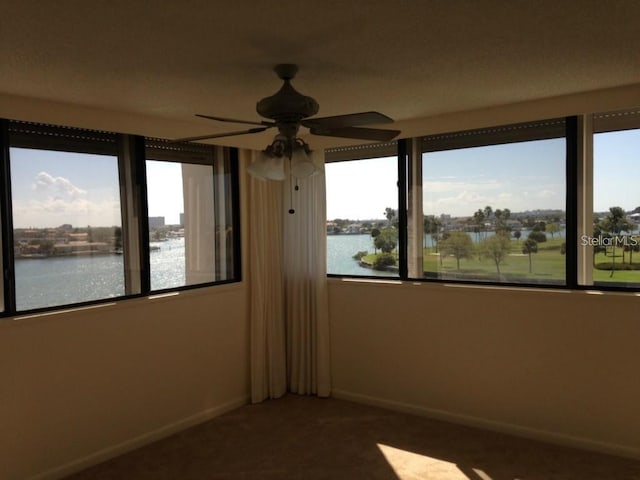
266, 286
305, 272
288, 288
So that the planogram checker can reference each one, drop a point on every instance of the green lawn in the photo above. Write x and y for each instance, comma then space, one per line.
619, 276
547, 266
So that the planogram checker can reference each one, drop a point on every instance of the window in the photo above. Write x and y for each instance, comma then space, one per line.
493, 205
612, 238
190, 222
66, 217
544, 203
362, 211
488, 205
87, 218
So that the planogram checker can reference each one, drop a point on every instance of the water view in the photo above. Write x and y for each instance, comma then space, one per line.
340, 252
53, 281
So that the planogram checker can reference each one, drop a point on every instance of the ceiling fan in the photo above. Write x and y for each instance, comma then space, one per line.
288, 110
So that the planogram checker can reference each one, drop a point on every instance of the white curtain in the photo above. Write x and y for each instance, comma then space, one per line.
288, 288
305, 272
266, 285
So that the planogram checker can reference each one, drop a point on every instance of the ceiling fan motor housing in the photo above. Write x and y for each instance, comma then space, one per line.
288, 110
287, 105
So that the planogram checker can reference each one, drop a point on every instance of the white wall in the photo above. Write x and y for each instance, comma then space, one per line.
80, 386
559, 366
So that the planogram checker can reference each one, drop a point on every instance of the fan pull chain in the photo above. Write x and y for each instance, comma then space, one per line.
291, 210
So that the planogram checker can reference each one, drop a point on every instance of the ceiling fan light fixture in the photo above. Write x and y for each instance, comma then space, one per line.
269, 163
267, 166
302, 164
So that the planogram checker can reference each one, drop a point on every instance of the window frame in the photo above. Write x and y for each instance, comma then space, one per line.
536, 130
131, 158
369, 152
223, 173
409, 152
589, 125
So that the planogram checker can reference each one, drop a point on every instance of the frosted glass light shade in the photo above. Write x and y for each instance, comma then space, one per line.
301, 165
318, 161
266, 167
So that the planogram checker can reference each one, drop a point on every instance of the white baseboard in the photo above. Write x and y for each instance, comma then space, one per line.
139, 441
501, 427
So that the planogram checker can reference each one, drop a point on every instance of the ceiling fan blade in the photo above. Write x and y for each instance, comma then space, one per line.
349, 120
233, 120
220, 135
375, 134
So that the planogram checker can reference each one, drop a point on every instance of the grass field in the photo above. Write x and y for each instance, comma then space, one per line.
619, 276
547, 266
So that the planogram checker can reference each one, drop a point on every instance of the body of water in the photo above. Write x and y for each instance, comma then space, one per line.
340, 252
342, 248
47, 282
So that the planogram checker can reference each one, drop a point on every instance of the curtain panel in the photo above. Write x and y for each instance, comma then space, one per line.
288, 287
266, 289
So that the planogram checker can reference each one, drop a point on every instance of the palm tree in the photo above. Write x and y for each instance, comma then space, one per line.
530, 246
478, 222
517, 234
487, 213
432, 226
616, 222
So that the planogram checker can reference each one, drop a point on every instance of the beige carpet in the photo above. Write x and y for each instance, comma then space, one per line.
308, 438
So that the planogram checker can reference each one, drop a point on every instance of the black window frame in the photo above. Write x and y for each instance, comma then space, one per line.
410, 151
395, 148
546, 129
588, 126
130, 152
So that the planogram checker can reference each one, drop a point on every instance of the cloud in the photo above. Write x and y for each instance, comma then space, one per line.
59, 187
546, 194
56, 200
52, 212
435, 186
454, 205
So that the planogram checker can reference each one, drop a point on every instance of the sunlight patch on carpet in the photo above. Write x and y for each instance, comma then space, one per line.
412, 466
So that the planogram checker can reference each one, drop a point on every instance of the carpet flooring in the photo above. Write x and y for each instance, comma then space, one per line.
307, 438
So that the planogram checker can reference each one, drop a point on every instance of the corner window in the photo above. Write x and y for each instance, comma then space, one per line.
191, 226
90, 216
362, 211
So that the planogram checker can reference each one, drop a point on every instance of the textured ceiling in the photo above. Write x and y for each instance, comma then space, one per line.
408, 59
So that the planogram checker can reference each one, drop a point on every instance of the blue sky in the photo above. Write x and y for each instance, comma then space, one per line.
520, 176
456, 182
616, 172
52, 188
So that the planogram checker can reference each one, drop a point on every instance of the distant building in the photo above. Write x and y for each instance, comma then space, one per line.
182, 219
156, 222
